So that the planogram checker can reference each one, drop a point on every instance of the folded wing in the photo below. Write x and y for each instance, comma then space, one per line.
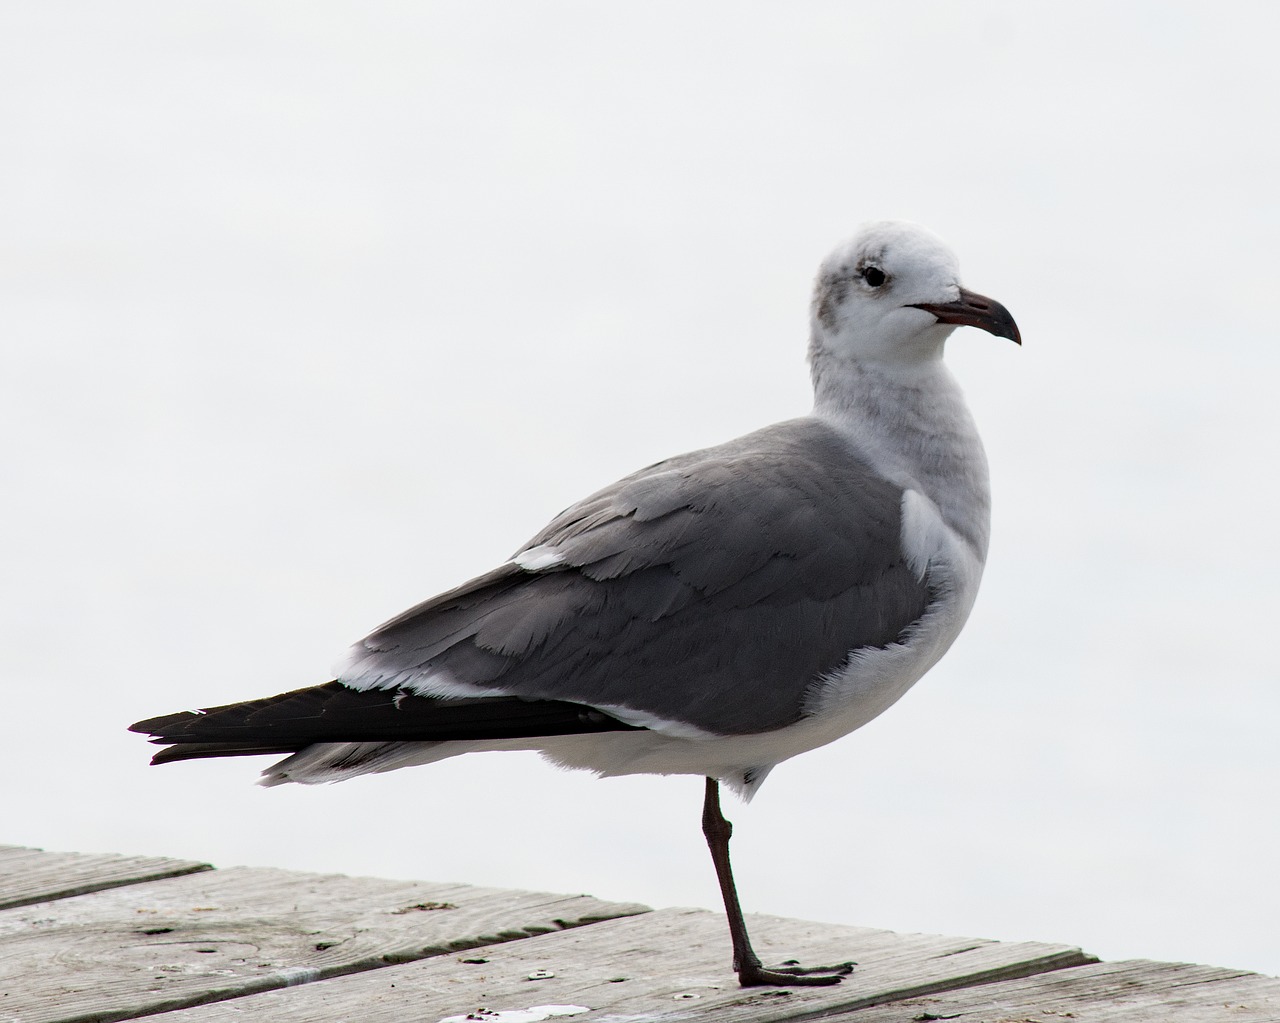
752, 569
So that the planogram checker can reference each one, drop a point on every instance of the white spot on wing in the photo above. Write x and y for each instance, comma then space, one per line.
366, 669
538, 559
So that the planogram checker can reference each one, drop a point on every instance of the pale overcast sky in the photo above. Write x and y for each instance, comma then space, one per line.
310, 311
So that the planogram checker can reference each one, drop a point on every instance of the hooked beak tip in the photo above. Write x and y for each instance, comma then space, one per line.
974, 310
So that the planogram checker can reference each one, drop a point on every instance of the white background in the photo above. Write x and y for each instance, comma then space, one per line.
311, 310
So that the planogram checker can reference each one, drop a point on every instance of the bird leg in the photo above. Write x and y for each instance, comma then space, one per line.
745, 961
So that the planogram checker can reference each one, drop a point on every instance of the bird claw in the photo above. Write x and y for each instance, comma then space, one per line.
792, 973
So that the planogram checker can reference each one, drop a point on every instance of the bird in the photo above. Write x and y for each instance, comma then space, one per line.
713, 614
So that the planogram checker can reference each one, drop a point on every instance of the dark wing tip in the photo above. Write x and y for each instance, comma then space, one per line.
335, 713
208, 750
165, 724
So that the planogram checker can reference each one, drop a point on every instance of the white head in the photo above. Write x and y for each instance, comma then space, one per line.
892, 295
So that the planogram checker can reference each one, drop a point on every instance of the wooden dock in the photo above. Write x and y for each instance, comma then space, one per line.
96, 937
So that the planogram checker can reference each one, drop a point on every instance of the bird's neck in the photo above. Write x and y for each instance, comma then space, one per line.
913, 420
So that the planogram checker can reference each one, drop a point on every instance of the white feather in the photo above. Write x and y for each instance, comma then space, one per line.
538, 559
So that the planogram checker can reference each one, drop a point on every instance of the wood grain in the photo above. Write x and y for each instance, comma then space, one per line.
177, 942
126, 952
28, 876
1135, 991
666, 965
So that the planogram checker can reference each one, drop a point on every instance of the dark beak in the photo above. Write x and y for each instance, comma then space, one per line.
974, 310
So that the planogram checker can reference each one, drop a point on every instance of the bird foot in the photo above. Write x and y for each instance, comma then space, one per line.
792, 973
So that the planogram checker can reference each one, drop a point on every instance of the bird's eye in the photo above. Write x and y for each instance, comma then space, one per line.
874, 276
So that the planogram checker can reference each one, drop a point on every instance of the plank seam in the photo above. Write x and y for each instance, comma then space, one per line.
297, 976
103, 884
1049, 964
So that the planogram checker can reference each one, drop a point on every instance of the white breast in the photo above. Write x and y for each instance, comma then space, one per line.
874, 679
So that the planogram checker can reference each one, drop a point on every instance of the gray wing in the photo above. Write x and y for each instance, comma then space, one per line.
712, 589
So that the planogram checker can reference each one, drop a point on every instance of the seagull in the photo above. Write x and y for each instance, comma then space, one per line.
714, 614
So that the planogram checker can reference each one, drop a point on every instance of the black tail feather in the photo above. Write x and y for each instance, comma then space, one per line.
205, 750
337, 713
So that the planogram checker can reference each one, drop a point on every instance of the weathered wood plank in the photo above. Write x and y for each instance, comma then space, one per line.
126, 952
28, 876
1121, 992
666, 965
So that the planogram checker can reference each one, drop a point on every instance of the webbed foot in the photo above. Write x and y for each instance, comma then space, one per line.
792, 973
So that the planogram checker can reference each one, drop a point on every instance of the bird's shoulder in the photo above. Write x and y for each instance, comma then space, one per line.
783, 489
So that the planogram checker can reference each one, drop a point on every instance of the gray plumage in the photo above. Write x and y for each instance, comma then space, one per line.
752, 567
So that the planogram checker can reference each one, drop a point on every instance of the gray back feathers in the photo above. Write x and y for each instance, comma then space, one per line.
757, 565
